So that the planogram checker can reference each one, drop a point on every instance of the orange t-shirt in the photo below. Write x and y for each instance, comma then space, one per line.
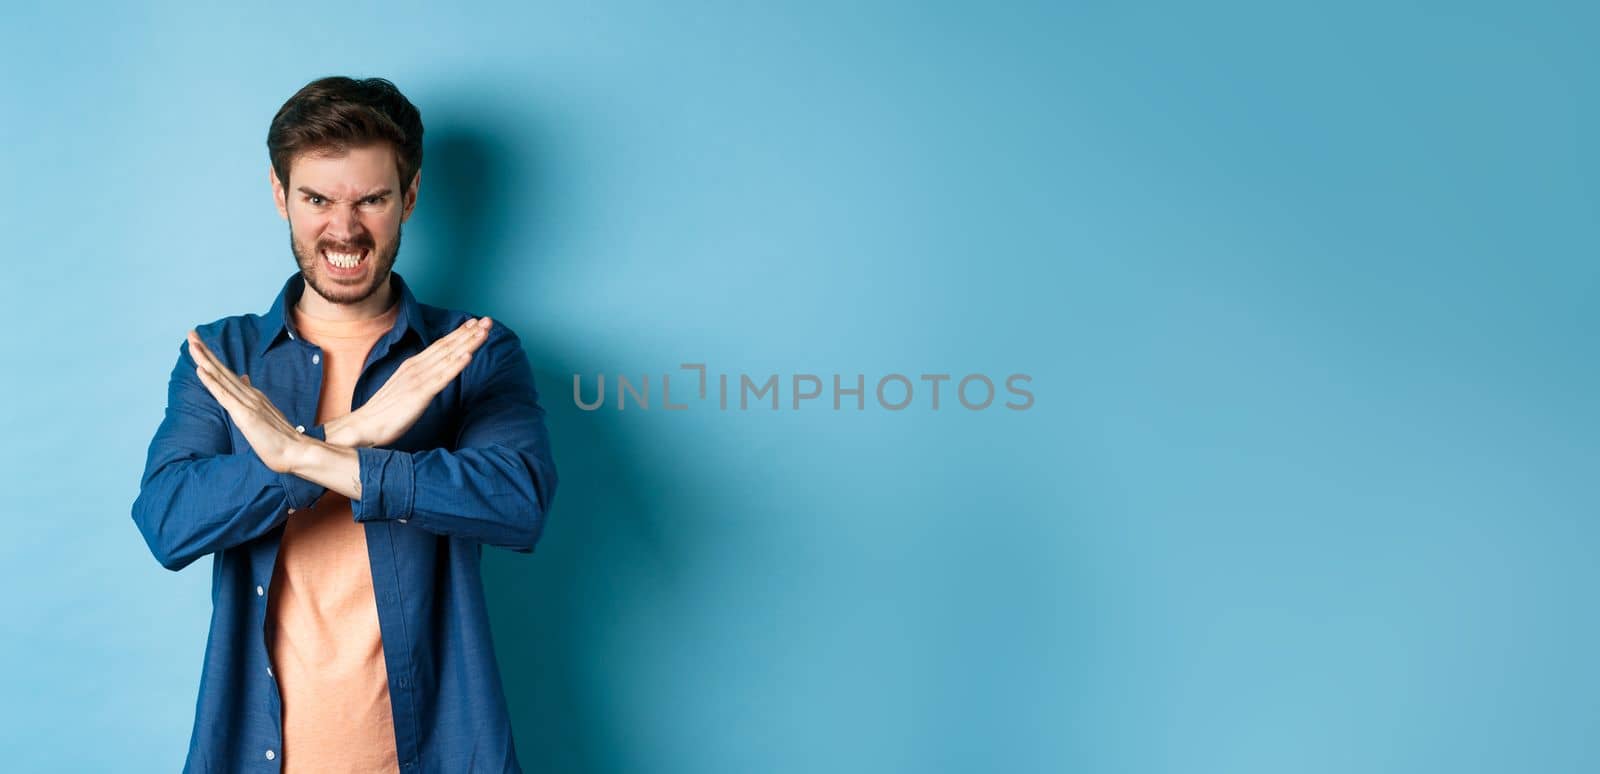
322, 617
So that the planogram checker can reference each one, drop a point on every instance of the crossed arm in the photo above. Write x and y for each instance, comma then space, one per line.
494, 485
334, 462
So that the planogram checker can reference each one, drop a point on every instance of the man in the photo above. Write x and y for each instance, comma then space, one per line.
344, 458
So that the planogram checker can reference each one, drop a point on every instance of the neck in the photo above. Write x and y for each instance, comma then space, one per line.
315, 305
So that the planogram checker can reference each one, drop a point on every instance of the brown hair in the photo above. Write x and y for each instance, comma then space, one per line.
338, 113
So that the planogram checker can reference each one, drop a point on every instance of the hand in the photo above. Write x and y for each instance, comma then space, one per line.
400, 402
274, 440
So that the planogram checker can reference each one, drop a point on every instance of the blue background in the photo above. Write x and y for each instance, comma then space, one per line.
1307, 292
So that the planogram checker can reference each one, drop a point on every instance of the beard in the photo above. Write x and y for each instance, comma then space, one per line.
310, 263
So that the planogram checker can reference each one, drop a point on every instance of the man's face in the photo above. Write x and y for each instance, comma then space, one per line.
344, 216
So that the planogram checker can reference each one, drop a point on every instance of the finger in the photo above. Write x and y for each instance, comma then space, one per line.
199, 351
204, 375
473, 335
453, 362
455, 368
458, 360
223, 374
245, 408
481, 335
471, 340
446, 369
223, 390
471, 329
207, 366
213, 361
432, 368
461, 350
213, 386
441, 349
202, 354
431, 374
425, 359
250, 388
463, 332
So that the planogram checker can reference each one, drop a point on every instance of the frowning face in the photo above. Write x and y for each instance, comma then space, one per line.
344, 214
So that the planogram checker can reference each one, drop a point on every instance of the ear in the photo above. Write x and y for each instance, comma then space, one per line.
411, 196
278, 195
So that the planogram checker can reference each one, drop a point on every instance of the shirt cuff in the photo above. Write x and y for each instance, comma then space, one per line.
388, 485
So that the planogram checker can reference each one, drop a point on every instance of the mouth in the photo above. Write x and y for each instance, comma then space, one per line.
344, 263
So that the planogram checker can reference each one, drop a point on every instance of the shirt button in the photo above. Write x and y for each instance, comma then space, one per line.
269, 671
299, 428
316, 359
271, 755
291, 510
260, 591
402, 521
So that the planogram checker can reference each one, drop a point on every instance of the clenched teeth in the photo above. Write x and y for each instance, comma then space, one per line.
343, 260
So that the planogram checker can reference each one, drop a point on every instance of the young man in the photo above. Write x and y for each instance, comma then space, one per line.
344, 458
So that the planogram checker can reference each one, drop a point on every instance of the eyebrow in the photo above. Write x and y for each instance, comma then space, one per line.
381, 192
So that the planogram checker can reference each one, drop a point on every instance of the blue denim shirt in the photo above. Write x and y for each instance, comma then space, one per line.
475, 469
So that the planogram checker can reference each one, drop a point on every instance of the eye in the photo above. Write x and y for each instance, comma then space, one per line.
373, 199
314, 199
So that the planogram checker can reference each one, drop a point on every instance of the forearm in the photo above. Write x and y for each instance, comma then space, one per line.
493, 484
329, 464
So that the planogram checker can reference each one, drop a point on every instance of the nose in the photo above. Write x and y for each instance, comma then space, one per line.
344, 225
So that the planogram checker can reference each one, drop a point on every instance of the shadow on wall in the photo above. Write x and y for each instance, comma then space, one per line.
553, 612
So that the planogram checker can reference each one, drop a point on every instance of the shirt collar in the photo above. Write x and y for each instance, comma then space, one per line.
277, 323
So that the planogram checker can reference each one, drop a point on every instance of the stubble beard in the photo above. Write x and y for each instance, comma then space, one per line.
311, 269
